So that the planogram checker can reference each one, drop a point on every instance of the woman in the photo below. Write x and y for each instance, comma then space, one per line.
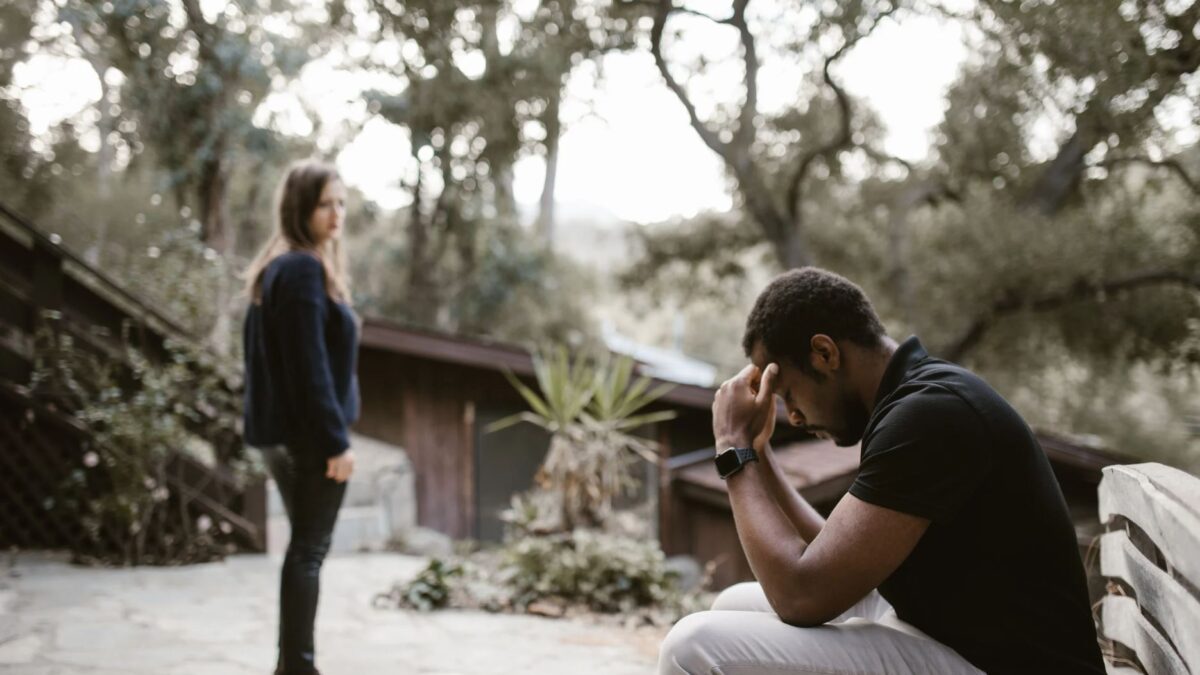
301, 344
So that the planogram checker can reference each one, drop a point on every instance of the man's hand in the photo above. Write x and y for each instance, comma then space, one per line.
744, 409
340, 467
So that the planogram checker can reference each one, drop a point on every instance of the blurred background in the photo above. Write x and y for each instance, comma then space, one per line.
1015, 182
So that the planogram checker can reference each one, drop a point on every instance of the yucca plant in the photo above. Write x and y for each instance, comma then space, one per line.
590, 410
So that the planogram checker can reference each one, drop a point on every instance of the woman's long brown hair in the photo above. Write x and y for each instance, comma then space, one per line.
297, 198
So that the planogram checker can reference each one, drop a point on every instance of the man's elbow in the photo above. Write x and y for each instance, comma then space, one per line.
803, 613
807, 606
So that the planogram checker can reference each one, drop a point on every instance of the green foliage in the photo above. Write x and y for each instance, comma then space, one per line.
26, 176
433, 588
473, 109
504, 285
618, 397
605, 572
566, 386
183, 278
188, 86
139, 413
590, 410
565, 574
694, 260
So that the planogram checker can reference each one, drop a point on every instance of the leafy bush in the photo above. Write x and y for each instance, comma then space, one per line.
591, 411
139, 413
605, 572
432, 589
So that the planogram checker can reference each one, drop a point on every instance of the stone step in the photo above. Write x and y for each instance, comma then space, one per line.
358, 528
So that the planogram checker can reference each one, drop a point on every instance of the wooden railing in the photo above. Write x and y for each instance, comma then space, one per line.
40, 440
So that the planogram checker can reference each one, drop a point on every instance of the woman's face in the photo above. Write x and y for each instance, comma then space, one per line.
329, 217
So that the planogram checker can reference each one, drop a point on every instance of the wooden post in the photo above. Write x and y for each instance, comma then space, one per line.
666, 534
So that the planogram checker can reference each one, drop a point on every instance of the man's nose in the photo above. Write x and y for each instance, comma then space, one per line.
795, 418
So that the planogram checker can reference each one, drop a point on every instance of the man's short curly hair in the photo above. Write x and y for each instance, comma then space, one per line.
801, 303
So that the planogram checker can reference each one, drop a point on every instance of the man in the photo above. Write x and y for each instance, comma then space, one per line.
952, 552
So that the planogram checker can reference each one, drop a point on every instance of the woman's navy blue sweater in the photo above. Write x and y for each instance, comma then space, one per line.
301, 356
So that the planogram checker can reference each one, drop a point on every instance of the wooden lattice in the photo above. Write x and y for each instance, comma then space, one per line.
40, 449
43, 285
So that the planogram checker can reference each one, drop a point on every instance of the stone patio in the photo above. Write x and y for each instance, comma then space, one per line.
219, 619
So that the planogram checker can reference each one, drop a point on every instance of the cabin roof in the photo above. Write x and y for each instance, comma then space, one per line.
487, 354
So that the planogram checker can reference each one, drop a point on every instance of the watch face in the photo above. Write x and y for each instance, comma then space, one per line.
728, 462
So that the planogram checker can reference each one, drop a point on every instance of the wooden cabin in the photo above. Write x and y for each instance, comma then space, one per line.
433, 394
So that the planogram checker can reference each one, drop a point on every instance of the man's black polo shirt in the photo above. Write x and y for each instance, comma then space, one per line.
997, 576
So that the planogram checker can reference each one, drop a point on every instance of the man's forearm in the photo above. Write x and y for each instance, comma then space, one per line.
771, 542
802, 515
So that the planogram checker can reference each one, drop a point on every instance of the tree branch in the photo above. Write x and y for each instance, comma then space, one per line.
1171, 164
679, 10
1061, 175
736, 153
203, 31
883, 157
1012, 302
665, 8
844, 137
745, 132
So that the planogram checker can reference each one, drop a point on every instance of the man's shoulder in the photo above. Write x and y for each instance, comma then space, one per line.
938, 402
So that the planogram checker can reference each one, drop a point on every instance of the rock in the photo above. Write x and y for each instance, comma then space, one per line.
690, 572
547, 608
426, 542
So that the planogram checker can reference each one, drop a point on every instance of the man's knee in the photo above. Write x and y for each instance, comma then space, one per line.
683, 649
744, 597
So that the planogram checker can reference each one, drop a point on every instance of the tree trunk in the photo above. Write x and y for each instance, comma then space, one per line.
106, 125
215, 233
793, 249
1061, 176
545, 221
214, 228
421, 302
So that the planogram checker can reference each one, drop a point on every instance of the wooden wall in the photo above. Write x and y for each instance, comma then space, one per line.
430, 407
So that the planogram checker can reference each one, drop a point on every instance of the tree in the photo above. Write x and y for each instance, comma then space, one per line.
811, 139
994, 250
480, 88
1121, 60
180, 89
26, 177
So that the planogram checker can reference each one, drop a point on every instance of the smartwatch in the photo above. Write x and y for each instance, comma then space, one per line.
732, 460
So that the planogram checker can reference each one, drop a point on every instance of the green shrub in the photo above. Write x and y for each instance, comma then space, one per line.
139, 412
605, 572
432, 589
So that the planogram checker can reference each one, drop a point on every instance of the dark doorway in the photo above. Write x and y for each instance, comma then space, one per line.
505, 463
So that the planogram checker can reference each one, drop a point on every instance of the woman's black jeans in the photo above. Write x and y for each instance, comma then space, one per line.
312, 503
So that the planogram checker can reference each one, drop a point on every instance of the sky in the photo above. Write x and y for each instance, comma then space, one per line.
625, 131
628, 150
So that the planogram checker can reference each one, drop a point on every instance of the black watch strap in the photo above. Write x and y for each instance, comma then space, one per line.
732, 460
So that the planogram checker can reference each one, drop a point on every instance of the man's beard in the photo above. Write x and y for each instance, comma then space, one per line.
853, 423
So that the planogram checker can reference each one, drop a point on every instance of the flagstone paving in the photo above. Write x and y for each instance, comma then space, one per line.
219, 619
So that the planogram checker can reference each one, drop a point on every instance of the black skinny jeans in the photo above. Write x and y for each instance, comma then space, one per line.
312, 502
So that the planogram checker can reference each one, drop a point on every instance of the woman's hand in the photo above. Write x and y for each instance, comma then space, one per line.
340, 467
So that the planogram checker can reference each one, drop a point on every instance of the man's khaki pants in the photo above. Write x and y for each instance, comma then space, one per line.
742, 635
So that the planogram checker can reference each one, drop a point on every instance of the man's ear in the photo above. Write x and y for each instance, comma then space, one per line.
825, 356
